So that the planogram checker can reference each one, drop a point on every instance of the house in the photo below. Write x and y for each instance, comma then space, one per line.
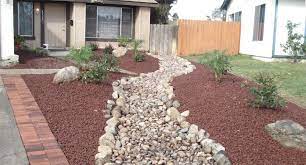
62, 24
263, 24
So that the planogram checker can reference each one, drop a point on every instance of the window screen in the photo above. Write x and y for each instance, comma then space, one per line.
25, 18
259, 22
108, 22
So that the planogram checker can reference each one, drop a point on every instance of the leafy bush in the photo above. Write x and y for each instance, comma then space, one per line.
94, 46
108, 49
138, 56
41, 52
123, 41
266, 95
295, 45
110, 62
19, 42
96, 74
81, 56
218, 62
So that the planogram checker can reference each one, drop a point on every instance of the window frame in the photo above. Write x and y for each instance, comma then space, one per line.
233, 16
120, 24
18, 21
258, 29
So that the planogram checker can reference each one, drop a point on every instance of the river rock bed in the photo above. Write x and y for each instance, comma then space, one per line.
145, 127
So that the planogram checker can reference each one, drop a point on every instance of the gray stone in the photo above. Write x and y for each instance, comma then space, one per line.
288, 133
221, 158
67, 74
176, 104
104, 155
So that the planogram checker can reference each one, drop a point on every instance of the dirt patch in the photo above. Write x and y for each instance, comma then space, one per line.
29, 60
127, 62
74, 113
222, 109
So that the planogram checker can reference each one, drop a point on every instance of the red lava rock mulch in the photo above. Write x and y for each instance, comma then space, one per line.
222, 110
127, 62
74, 113
28, 60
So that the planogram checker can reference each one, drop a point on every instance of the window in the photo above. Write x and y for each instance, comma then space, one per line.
108, 22
259, 22
236, 17
25, 18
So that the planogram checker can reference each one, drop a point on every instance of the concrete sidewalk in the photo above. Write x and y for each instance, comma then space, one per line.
12, 151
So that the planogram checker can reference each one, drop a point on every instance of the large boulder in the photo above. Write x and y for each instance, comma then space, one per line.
67, 74
288, 134
120, 51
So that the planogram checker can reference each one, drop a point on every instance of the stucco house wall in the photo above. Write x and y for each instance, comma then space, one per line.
277, 13
293, 10
6, 30
247, 45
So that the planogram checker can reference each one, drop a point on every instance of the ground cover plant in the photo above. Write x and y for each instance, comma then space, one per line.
94, 46
108, 49
290, 78
266, 93
218, 61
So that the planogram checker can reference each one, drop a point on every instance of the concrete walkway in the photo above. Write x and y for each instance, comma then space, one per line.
27, 71
12, 151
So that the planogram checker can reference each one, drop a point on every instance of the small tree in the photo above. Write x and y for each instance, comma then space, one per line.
295, 45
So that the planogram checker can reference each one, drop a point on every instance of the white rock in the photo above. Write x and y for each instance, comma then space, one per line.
67, 74
119, 51
193, 129
185, 114
104, 155
173, 113
115, 95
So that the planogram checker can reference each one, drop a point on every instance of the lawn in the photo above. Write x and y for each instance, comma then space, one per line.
291, 78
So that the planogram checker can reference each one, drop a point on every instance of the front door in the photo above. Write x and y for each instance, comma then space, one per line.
55, 25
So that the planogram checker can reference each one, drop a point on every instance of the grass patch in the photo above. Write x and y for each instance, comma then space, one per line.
291, 78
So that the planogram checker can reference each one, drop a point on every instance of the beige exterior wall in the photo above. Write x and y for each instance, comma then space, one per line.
142, 26
37, 27
77, 31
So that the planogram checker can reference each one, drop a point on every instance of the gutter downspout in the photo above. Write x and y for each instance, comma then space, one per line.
275, 27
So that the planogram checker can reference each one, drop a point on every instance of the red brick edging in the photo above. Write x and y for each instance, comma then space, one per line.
39, 142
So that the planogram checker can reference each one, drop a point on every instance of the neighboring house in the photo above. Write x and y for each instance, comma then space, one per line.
263, 24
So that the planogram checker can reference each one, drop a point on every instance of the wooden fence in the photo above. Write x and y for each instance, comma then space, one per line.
196, 37
163, 39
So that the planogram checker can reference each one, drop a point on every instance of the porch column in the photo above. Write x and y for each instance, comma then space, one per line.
77, 30
142, 26
6, 30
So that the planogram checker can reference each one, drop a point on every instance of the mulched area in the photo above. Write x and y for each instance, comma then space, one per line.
222, 110
29, 60
127, 62
74, 113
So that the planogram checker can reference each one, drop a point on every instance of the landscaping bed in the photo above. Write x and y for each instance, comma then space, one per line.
127, 62
30, 60
222, 110
74, 113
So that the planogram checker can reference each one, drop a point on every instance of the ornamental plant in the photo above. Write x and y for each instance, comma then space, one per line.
108, 49
295, 45
218, 61
81, 56
19, 42
266, 94
123, 41
96, 74
94, 46
138, 56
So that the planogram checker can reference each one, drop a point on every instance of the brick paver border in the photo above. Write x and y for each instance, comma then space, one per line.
39, 142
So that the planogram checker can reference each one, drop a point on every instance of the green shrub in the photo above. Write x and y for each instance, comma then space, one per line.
94, 46
138, 56
123, 41
266, 94
19, 42
41, 52
108, 49
96, 74
110, 62
81, 56
218, 62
